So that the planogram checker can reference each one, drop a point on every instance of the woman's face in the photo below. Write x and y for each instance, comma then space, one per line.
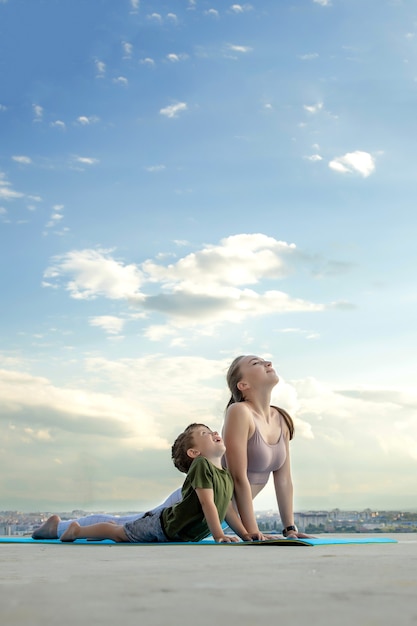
254, 369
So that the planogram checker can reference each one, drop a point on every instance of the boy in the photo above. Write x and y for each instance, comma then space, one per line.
206, 500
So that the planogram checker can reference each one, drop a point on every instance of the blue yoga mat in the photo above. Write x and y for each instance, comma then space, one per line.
317, 541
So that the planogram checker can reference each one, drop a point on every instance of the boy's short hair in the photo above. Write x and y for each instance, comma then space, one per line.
183, 442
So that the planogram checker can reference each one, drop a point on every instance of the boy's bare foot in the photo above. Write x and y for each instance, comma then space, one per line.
71, 533
48, 530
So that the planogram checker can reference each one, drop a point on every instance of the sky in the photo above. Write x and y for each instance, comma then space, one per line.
184, 181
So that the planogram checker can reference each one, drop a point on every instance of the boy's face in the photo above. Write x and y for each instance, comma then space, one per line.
208, 442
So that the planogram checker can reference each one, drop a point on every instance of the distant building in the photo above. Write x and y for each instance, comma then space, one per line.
315, 519
5, 530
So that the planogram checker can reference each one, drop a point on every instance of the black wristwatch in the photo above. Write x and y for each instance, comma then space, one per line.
285, 531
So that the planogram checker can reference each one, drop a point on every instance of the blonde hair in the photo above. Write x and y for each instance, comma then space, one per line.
233, 377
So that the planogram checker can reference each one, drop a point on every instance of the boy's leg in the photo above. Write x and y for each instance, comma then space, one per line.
103, 530
96, 518
49, 531
147, 529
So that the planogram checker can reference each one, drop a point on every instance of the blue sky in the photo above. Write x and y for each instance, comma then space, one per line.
185, 181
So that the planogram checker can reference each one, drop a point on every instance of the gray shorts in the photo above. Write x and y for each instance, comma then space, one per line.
146, 529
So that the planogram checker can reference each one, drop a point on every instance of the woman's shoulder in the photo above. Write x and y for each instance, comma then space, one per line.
239, 409
238, 423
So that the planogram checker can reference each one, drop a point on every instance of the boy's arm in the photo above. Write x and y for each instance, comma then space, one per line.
211, 514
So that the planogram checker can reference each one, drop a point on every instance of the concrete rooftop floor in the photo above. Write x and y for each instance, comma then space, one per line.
119, 585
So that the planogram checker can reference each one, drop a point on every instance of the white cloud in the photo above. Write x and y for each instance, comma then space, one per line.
211, 285
86, 160
308, 57
6, 193
242, 49
109, 323
3, 107
174, 58
58, 124
38, 112
85, 120
172, 17
147, 61
237, 260
23, 160
135, 4
359, 162
127, 49
55, 219
314, 158
345, 422
155, 17
94, 273
323, 3
217, 284
158, 332
212, 12
121, 80
173, 109
44, 407
315, 108
155, 168
41, 435
187, 309
241, 8
101, 68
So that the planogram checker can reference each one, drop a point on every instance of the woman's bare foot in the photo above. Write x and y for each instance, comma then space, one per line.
48, 530
71, 533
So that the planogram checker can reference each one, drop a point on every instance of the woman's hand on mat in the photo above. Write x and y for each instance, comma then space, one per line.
255, 537
292, 534
226, 539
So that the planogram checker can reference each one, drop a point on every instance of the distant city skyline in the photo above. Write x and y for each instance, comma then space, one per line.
334, 521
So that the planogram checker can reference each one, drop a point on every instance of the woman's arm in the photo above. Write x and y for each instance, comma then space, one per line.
285, 493
236, 433
235, 523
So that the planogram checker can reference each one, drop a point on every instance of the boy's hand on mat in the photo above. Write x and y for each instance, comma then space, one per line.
226, 539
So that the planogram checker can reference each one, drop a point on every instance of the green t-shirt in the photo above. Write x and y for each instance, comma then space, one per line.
185, 520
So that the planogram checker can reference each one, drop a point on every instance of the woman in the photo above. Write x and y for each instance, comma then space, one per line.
256, 436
